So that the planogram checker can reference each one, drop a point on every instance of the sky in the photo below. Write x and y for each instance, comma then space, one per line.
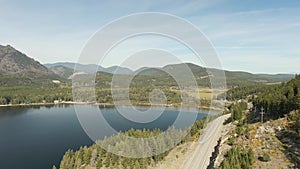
250, 35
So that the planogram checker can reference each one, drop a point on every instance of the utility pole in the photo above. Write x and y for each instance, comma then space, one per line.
262, 115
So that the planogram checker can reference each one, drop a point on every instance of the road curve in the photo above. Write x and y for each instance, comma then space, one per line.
207, 142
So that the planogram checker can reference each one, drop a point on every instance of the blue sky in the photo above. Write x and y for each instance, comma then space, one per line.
250, 35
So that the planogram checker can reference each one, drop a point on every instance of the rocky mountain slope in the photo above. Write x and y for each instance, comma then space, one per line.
13, 61
16, 69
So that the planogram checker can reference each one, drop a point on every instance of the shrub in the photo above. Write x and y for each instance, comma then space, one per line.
265, 157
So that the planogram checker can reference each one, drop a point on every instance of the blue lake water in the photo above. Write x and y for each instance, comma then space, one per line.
36, 137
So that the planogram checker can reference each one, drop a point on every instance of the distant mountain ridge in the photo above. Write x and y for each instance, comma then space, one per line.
90, 68
18, 69
62, 71
233, 78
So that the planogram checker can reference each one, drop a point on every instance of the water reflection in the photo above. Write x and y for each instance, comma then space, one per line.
13, 111
10, 111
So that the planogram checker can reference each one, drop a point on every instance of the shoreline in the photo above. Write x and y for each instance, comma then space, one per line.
104, 105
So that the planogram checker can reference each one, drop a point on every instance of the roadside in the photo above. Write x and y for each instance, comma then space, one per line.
195, 154
261, 138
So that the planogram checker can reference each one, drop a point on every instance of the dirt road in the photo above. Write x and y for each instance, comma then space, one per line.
212, 133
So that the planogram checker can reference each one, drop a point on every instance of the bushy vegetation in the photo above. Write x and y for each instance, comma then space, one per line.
196, 128
265, 157
236, 110
295, 119
297, 123
238, 157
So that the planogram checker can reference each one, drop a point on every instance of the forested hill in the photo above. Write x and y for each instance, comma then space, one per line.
278, 98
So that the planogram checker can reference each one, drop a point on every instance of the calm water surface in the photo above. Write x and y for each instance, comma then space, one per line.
37, 137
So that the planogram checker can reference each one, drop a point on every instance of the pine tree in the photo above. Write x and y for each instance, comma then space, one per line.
137, 165
99, 163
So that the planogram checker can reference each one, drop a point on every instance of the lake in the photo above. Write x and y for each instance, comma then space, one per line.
36, 137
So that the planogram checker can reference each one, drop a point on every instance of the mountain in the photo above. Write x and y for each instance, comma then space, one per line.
90, 68
62, 71
18, 69
282, 77
14, 62
149, 71
201, 74
118, 70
